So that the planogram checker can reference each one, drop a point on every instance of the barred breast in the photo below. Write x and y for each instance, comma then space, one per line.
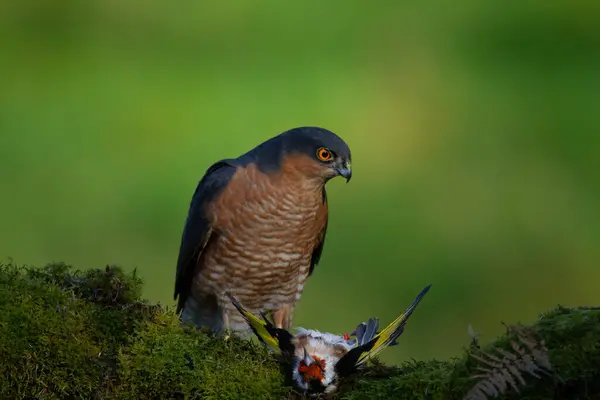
265, 227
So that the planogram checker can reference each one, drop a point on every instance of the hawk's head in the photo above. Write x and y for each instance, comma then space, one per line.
315, 152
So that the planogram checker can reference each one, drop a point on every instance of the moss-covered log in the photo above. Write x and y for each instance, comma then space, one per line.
68, 334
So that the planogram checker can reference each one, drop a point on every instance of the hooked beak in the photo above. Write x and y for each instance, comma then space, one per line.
345, 170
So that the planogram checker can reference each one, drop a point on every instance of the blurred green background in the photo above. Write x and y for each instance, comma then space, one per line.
474, 128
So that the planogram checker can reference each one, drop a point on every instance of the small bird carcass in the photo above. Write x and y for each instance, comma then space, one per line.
316, 360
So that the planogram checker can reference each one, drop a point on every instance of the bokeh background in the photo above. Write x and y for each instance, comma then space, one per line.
474, 128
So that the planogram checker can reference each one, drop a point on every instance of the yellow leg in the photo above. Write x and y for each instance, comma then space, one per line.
227, 328
282, 318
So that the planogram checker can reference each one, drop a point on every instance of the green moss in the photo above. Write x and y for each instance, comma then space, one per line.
46, 346
73, 334
168, 360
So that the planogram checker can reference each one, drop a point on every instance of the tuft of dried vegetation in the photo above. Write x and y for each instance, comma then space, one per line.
504, 371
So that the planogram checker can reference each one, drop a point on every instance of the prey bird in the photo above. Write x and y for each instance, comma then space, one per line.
317, 360
256, 225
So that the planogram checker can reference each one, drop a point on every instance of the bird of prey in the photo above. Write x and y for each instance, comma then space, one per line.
256, 227
315, 360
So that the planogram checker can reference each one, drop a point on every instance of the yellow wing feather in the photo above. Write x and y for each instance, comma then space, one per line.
258, 325
391, 332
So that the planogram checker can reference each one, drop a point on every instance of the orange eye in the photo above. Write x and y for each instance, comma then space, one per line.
324, 155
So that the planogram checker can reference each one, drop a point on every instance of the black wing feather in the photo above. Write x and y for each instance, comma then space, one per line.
197, 230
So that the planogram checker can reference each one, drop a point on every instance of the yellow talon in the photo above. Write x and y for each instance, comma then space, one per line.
227, 335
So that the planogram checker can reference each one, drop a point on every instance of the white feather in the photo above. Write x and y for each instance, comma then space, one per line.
319, 344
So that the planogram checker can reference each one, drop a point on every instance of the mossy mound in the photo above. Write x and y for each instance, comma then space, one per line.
68, 334
88, 335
